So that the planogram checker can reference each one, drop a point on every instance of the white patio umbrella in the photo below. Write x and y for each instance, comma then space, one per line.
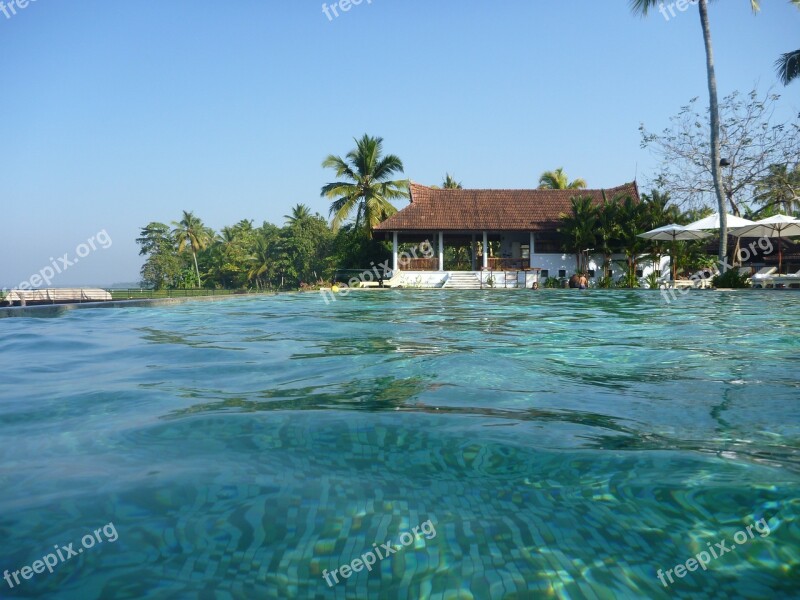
712, 222
772, 227
674, 233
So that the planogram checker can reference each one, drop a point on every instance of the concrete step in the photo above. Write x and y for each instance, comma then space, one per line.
463, 281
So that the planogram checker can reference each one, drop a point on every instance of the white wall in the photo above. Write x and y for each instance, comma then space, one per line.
419, 279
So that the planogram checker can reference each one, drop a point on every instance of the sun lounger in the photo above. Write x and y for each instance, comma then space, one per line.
695, 283
765, 272
56, 296
780, 281
758, 279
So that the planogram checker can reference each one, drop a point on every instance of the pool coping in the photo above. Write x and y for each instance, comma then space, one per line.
54, 310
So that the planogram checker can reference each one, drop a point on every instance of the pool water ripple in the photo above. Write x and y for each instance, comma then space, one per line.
564, 444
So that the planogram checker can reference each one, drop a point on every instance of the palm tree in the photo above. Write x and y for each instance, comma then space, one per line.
299, 214
191, 232
260, 262
558, 180
632, 219
780, 189
367, 188
656, 211
450, 183
579, 229
642, 7
606, 228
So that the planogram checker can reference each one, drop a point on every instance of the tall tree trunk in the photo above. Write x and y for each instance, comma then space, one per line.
196, 268
716, 169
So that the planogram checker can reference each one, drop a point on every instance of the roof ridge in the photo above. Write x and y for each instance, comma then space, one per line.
526, 190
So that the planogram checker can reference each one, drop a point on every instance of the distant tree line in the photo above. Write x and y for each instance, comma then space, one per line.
305, 251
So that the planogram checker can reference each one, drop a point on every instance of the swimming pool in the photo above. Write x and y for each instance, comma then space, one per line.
560, 444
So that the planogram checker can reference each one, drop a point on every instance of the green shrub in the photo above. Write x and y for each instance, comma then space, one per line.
605, 283
652, 281
731, 279
552, 282
628, 280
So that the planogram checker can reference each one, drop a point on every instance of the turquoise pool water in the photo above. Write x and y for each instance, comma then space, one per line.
560, 444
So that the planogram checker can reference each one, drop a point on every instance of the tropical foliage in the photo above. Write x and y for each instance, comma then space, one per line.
190, 233
366, 186
642, 7
450, 183
558, 180
612, 227
762, 152
788, 65
304, 251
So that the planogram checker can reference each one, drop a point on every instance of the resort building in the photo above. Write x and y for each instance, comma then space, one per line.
505, 238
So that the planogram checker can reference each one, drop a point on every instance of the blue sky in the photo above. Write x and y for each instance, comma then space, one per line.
115, 114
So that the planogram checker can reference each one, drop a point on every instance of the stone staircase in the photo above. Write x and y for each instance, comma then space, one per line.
462, 281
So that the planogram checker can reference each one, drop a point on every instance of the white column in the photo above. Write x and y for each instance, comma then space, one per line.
530, 250
473, 252
395, 261
485, 250
441, 251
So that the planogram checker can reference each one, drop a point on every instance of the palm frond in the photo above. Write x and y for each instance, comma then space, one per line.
788, 66
642, 7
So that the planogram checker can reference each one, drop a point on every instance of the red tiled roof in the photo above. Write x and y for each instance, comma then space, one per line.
490, 210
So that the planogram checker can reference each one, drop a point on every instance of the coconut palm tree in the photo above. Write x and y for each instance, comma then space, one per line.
450, 183
300, 213
259, 262
780, 189
642, 7
607, 224
367, 187
579, 229
558, 180
191, 232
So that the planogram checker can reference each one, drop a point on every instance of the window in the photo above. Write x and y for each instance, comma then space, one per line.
526, 252
591, 273
545, 273
562, 272
639, 273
